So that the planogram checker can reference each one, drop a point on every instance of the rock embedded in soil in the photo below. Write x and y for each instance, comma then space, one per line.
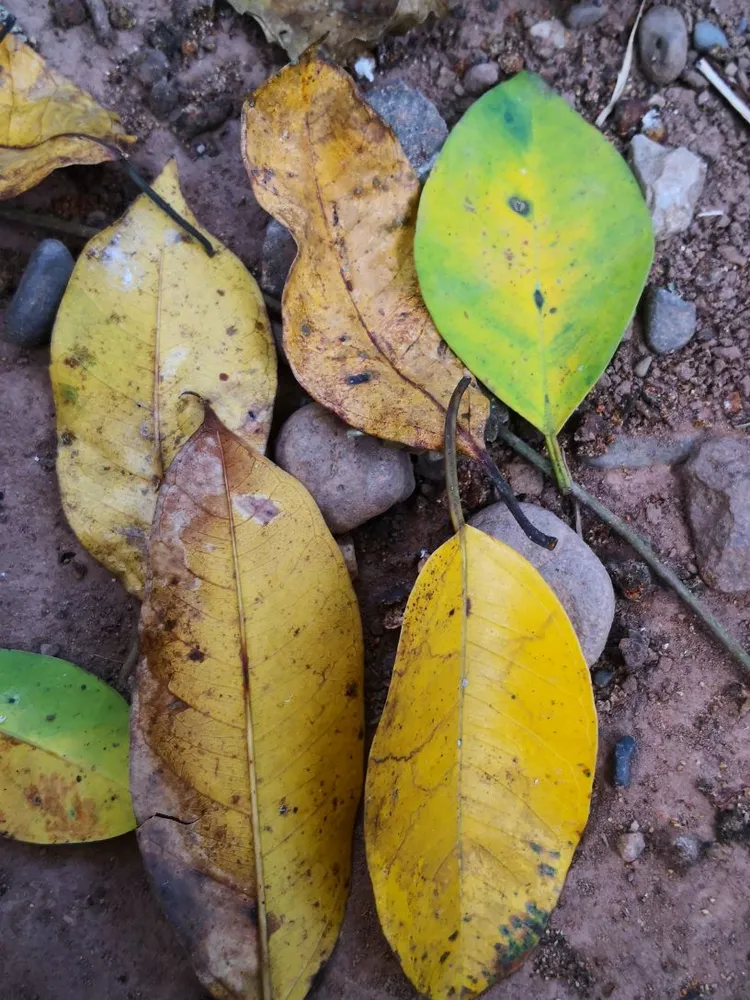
481, 77
585, 15
416, 121
524, 479
717, 487
121, 17
421, 131
663, 44
50, 649
686, 850
670, 321
671, 180
201, 117
625, 751
150, 65
352, 477
163, 97
548, 37
573, 571
636, 651
31, 313
69, 13
707, 36
631, 845
631, 577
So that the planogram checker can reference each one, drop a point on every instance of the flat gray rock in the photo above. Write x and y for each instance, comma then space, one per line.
352, 477
670, 320
573, 571
671, 180
717, 487
585, 15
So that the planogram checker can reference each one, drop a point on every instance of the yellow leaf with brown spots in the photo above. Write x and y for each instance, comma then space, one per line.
44, 121
480, 774
63, 753
356, 332
150, 326
247, 724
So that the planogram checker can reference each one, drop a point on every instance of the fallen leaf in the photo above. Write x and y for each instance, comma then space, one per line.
297, 24
44, 121
149, 326
480, 774
533, 244
63, 753
356, 332
247, 723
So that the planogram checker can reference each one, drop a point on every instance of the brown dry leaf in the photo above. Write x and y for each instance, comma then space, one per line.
39, 109
247, 724
297, 24
356, 332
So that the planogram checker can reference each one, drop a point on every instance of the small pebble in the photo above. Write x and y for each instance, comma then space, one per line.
686, 848
481, 77
69, 13
164, 97
197, 118
631, 846
49, 649
707, 36
364, 67
631, 577
641, 369
695, 79
625, 750
121, 18
603, 677
548, 37
585, 15
663, 44
31, 313
150, 65
670, 320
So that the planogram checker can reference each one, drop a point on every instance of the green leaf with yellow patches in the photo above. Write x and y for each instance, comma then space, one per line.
532, 247
480, 774
63, 753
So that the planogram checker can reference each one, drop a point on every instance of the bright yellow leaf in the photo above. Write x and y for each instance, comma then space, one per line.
247, 728
149, 326
480, 775
44, 121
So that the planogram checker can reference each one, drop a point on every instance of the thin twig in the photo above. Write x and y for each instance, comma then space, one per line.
622, 76
724, 89
640, 545
66, 226
451, 468
126, 670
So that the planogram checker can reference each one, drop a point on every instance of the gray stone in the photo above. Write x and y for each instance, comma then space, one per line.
279, 251
548, 37
352, 477
121, 17
31, 313
695, 79
663, 44
585, 15
69, 13
50, 649
202, 116
525, 479
636, 651
686, 849
575, 574
643, 452
670, 321
481, 77
717, 481
150, 65
707, 36
642, 367
415, 120
164, 97
631, 845
671, 180
603, 677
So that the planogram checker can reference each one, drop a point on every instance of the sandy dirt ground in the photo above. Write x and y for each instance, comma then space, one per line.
80, 923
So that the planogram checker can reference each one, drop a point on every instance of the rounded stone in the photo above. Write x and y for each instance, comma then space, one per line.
663, 44
164, 97
670, 320
352, 477
481, 77
573, 571
631, 845
31, 313
707, 36
585, 15
150, 65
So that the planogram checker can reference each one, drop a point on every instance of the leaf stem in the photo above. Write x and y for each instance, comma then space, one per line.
559, 465
641, 546
451, 466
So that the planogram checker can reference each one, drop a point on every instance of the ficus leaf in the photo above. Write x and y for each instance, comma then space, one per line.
533, 243
63, 753
149, 326
44, 121
297, 24
479, 778
356, 332
247, 722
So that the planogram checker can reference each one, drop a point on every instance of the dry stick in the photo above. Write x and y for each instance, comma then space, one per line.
641, 546
451, 466
622, 76
724, 89
67, 226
